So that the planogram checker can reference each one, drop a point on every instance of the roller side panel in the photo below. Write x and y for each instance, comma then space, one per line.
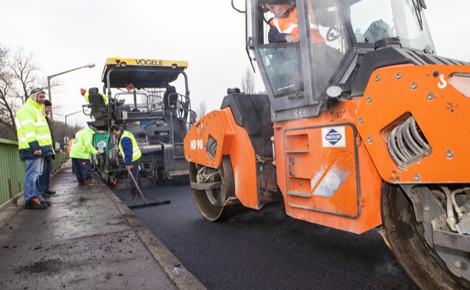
230, 139
335, 185
441, 112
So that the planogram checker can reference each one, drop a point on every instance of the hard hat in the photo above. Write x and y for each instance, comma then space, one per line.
82, 91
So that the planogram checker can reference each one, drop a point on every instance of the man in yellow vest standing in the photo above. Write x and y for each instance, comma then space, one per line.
34, 144
81, 149
130, 151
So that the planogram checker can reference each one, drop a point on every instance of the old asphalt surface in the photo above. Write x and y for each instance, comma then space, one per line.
87, 239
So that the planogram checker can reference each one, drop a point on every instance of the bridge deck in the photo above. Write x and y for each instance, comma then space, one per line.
85, 240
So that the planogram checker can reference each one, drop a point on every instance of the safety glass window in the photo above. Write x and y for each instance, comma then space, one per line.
374, 20
283, 69
279, 47
329, 41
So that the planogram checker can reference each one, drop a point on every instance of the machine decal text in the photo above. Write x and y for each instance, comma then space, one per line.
149, 62
197, 144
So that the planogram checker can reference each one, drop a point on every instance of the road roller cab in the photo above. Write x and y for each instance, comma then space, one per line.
361, 127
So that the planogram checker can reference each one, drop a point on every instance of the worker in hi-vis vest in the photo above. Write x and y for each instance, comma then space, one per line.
130, 151
85, 94
284, 26
34, 144
82, 147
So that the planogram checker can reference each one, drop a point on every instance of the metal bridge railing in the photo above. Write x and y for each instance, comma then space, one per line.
12, 171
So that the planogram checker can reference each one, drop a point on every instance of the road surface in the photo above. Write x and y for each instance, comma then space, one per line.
267, 249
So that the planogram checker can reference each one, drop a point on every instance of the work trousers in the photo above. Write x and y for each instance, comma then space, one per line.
82, 169
45, 178
135, 173
34, 168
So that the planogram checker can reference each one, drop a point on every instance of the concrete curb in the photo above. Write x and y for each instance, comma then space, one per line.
182, 278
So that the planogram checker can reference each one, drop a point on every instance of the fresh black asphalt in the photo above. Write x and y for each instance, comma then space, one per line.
267, 249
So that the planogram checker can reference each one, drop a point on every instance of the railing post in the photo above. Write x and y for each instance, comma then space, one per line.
10, 193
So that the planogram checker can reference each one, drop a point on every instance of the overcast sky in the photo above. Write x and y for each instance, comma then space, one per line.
64, 34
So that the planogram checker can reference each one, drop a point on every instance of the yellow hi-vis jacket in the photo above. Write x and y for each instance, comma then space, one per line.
136, 154
83, 144
105, 97
32, 131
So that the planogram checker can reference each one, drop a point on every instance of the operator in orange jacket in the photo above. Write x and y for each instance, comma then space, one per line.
284, 26
71, 143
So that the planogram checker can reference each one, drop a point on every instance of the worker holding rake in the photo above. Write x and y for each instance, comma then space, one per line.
129, 150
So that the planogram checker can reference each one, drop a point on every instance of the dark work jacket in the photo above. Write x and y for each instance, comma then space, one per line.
51, 128
274, 36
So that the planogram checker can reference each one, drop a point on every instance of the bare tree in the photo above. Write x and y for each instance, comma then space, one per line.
248, 82
201, 109
25, 72
7, 104
18, 76
60, 130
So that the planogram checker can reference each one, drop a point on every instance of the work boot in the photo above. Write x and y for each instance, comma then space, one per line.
45, 194
50, 192
81, 183
34, 203
48, 203
133, 194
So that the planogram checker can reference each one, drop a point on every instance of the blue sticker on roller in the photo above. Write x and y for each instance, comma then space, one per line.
333, 137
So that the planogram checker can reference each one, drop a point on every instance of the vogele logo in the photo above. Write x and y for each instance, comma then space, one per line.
333, 137
149, 62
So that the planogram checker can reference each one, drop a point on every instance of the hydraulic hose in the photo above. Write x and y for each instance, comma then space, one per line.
454, 202
451, 221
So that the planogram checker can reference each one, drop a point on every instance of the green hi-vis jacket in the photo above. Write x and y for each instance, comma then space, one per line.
83, 144
32, 131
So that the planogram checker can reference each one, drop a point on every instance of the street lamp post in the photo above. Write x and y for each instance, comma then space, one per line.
66, 128
91, 65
